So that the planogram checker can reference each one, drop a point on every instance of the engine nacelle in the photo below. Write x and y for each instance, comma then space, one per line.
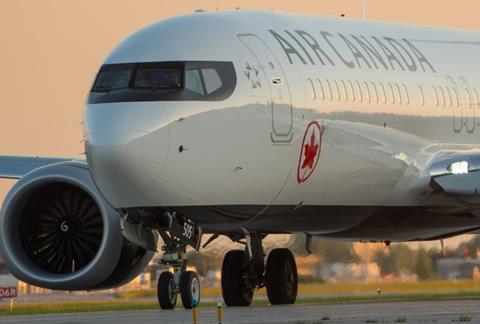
58, 232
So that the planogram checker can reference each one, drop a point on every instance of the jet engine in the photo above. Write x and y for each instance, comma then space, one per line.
58, 232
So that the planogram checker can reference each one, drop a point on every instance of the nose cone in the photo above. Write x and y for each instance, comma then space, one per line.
127, 145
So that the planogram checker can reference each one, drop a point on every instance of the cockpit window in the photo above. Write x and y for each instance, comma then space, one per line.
113, 79
164, 81
193, 81
158, 79
212, 80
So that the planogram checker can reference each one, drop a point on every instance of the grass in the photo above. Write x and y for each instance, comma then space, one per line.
463, 318
400, 319
148, 293
349, 289
394, 287
74, 307
313, 294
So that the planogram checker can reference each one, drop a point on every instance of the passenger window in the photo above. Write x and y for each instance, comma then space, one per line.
321, 92
435, 96
441, 96
193, 81
212, 80
391, 94
336, 90
421, 95
313, 95
468, 97
351, 90
343, 91
368, 97
328, 90
477, 99
398, 94
383, 93
375, 92
358, 92
448, 96
407, 97
455, 96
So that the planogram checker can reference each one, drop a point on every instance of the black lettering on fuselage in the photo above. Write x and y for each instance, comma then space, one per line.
355, 52
368, 51
420, 57
301, 46
313, 44
371, 51
410, 64
287, 48
325, 36
388, 53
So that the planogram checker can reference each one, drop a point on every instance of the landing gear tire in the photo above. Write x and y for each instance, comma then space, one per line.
234, 290
167, 296
281, 278
189, 289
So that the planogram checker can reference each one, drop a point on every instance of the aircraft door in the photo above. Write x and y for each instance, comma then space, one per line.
457, 105
467, 105
280, 98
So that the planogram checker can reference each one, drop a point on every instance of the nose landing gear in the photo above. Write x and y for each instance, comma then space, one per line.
166, 291
244, 271
181, 281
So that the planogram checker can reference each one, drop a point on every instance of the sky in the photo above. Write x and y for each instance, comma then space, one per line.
51, 50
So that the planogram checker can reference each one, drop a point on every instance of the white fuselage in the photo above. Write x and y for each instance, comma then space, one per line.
387, 99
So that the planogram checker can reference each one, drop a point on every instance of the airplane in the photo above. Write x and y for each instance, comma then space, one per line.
248, 123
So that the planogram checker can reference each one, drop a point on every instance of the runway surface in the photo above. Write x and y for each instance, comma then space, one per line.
380, 312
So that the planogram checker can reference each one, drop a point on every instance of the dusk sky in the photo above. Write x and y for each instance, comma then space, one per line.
52, 49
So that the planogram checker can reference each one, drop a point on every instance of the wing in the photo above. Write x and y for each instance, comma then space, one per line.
15, 167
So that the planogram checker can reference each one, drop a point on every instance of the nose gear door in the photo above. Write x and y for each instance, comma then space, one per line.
280, 98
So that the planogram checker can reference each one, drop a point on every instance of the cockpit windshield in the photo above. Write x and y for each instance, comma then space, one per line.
113, 79
164, 81
157, 79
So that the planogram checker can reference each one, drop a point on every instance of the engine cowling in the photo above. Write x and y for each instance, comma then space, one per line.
58, 232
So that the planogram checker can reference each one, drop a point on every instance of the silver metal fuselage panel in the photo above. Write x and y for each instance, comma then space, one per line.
238, 166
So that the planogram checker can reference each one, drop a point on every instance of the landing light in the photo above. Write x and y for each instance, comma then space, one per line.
401, 156
460, 167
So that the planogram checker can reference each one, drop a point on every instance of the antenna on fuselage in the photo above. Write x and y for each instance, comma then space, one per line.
364, 9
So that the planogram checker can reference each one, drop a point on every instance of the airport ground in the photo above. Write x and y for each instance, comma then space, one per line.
432, 301
375, 312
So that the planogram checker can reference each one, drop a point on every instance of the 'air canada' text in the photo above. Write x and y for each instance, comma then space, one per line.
363, 52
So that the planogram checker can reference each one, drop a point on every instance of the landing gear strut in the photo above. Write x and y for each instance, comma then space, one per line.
245, 271
181, 281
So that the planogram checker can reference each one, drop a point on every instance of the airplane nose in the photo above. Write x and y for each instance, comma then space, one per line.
126, 156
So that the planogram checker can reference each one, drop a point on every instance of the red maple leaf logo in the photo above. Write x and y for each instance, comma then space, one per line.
310, 152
